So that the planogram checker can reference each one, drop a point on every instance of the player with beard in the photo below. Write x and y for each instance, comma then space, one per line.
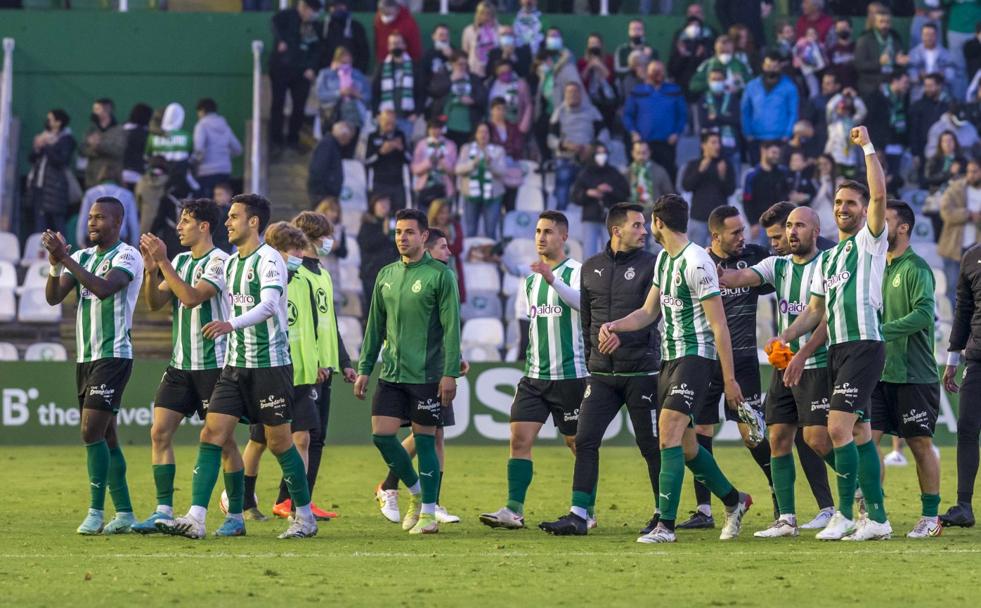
847, 294
686, 289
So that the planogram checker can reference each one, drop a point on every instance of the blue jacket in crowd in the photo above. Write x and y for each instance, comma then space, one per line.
769, 115
655, 114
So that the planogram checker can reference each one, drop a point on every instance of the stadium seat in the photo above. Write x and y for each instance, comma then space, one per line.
9, 247
519, 254
351, 220
350, 279
512, 283
481, 276
481, 304
488, 332
46, 351
8, 275
350, 330
8, 352
945, 310
33, 250
530, 198
512, 334
482, 354
475, 241
509, 307
36, 277
519, 225
940, 281
511, 356
8, 304
351, 305
573, 249
354, 192
33, 308
353, 252
574, 215
923, 233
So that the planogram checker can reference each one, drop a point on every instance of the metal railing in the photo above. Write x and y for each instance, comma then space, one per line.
6, 116
256, 153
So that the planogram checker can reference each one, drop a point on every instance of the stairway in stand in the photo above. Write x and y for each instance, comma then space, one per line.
286, 185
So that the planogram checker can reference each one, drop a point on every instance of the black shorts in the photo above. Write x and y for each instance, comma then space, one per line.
747, 375
306, 417
682, 383
186, 391
905, 410
806, 404
854, 368
262, 395
417, 403
101, 383
446, 417
534, 400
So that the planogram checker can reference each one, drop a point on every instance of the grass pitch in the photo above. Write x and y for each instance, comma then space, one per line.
361, 559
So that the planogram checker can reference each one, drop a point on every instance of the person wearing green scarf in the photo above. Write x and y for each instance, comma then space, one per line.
481, 165
878, 53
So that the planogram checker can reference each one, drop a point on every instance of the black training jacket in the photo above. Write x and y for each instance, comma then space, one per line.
966, 333
613, 286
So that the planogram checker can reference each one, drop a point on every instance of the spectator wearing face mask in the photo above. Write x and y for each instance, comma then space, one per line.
737, 73
436, 60
395, 87
509, 51
840, 49
48, 189
572, 129
555, 68
481, 165
344, 93
636, 41
691, 45
598, 187
769, 108
340, 29
878, 53
480, 37
655, 112
596, 70
718, 111
393, 18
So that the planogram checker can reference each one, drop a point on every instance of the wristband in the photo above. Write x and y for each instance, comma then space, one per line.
869, 149
55, 271
953, 359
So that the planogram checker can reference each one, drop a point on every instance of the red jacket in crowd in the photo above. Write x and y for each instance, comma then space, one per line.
404, 24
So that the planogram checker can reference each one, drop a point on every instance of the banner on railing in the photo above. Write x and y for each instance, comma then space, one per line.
38, 406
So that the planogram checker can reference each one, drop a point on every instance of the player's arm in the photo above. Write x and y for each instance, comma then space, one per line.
960, 329
922, 305
807, 321
585, 318
59, 283
102, 288
156, 292
449, 318
638, 319
567, 293
795, 369
373, 339
716, 316
747, 277
190, 296
877, 182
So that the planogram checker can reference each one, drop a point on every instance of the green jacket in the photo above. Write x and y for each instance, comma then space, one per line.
907, 321
313, 332
735, 70
415, 315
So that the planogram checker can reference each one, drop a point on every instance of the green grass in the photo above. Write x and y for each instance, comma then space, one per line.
360, 559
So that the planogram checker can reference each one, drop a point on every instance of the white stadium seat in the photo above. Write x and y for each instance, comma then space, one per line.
33, 250
519, 254
475, 241
519, 225
46, 351
512, 333
10, 247
481, 276
482, 354
34, 308
353, 252
350, 279
573, 249
8, 304
8, 352
36, 277
350, 330
481, 304
512, 284
488, 332
923, 232
351, 305
8, 275
530, 198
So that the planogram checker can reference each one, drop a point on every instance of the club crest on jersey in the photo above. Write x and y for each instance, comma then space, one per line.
630, 274
104, 267
544, 310
741, 264
250, 275
417, 286
848, 246
896, 281
676, 279
198, 273
322, 300
291, 313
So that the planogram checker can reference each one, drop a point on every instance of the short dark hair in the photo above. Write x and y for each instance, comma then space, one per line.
707, 133
226, 186
498, 101
850, 184
105, 101
719, 215
435, 234
777, 214
256, 205
314, 4
314, 225
937, 77
113, 202
61, 116
140, 114
904, 211
618, 214
928, 25
207, 105
203, 210
413, 214
441, 24
672, 210
769, 143
457, 55
555, 216
773, 56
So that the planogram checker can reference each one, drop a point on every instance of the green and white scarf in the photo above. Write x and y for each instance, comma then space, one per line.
481, 183
897, 113
397, 86
437, 152
640, 176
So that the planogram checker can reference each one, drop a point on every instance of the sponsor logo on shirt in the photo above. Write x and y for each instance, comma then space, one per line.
670, 301
291, 313
728, 292
572, 416
545, 310
242, 299
837, 280
433, 406
792, 308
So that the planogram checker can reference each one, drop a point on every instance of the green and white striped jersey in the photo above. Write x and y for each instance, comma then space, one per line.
265, 344
851, 283
685, 280
792, 282
102, 327
192, 351
555, 343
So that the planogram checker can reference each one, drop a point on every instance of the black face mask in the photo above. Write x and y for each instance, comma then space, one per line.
844, 34
397, 51
772, 76
94, 118
637, 40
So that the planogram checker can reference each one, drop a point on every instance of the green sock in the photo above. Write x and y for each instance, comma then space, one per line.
520, 472
163, 479
118, 490
707, 471
97, 456
581, 499
396, 458
428, 467
846, 467
870, 480
235, 488
591, 509
930, 503
784, 476
830, 459
670, 480
205, 474
295, 476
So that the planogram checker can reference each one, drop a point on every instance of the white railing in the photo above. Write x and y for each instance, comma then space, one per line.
604, 7
256, 115
123, 6
284, 4
444, 7
6, 94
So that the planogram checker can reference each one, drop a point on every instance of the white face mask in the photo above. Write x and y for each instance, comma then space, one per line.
601, 159
293, 263
692, 30
386, 19
325, 246
717, 86
725, 58
440, 45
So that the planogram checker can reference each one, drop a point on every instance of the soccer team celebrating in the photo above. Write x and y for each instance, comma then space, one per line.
255, 340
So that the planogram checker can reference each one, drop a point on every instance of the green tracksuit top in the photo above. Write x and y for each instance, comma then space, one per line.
414, 322
312, 322
907, 321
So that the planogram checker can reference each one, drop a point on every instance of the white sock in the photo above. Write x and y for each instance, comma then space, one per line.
415, 488
429, 508
166, 510
705, 510
789, 517
581, 512
305, 513
197, 513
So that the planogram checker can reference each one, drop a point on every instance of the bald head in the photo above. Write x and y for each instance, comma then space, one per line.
803, 228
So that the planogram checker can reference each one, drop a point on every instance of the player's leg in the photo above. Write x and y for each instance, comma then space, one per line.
520, 471
279, 438
318, 437
918, 406
706, 419
305, 420
642, 406
810, 398
784, 479
750, 419
703, 465
165, 423
442, 515
425, 440
968, 430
